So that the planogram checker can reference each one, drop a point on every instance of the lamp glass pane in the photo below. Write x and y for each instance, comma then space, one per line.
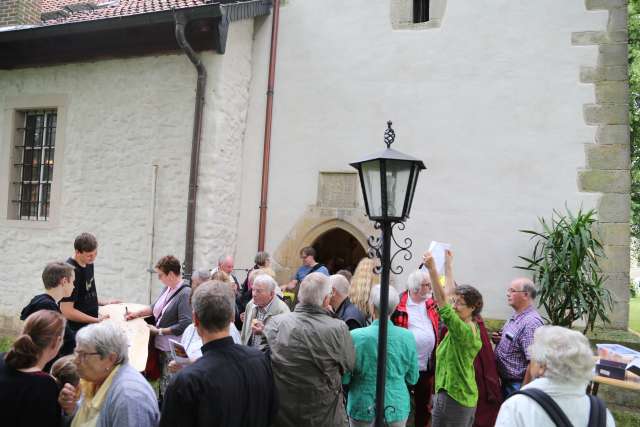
398, 172
412, 187
371, 178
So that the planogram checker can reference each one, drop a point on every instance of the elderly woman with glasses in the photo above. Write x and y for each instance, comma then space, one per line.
113, 393
562, 365
455, 383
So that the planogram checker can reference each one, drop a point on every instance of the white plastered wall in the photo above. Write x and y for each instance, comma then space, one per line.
490, 101
123, 117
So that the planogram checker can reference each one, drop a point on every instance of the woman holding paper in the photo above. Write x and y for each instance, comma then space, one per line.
456, 390
171, 312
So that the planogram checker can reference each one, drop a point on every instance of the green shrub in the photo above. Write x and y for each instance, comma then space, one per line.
564, 262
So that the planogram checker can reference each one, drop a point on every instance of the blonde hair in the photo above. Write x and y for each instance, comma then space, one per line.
363, 279
221, 276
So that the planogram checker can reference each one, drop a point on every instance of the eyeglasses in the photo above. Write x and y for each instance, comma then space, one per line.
514, 291
458, 302
82, 355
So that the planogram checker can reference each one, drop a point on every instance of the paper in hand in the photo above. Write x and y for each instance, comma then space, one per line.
179, 353
437, 251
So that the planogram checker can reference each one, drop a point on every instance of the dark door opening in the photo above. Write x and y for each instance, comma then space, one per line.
337, 249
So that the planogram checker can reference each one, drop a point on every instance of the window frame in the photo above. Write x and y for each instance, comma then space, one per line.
45, 166
16, 109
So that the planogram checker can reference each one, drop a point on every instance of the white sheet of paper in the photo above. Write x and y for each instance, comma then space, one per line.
137, 331
437, 251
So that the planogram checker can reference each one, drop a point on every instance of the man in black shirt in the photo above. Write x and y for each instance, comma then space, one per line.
81, 308
58, 280
230, 385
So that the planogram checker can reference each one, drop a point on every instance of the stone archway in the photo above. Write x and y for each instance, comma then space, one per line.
316, 224
338, 249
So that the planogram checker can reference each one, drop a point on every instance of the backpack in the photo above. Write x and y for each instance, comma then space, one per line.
597, 411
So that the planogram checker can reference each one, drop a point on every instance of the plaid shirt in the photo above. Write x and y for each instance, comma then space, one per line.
512, 352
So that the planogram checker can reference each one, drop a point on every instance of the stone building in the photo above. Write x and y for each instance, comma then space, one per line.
516, 108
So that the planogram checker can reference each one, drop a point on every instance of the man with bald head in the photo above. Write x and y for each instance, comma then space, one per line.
343, 308
513, 341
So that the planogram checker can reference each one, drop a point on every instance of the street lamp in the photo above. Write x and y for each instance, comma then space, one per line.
388, 179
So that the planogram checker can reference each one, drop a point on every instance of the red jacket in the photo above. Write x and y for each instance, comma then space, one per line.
489, 393
400, 318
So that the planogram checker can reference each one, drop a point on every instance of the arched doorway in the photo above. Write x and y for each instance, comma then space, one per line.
338, 249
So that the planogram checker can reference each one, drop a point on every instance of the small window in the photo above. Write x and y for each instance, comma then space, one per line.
417, 14
33, 164
420, 11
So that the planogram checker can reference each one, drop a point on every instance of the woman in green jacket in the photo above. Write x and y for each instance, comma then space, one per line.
402, 368
455, 388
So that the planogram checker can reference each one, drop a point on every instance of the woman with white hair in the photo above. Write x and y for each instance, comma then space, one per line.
114, 394
402, 368
562, 364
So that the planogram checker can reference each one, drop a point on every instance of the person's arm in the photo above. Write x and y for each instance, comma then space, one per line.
144, 312
291, 285
348, 351
133, 408
449, 283
68, 399
71, 313
108, 301
438, 292
413, 373
184, 314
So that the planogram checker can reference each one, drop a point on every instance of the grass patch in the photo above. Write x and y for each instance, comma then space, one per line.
634, 314
5, 344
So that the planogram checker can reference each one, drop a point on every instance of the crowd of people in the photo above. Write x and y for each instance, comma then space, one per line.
303, 353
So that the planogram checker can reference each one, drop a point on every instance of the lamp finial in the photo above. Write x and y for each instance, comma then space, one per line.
389, 134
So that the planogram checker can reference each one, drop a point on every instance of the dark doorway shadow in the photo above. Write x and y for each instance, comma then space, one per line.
338, 249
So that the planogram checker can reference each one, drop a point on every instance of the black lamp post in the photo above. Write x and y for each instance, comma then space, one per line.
388, 179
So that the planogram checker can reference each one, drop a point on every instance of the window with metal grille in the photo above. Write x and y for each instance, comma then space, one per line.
420, 11
35, 147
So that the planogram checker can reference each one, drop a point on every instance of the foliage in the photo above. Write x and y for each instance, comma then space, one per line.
634, 314
5, 344
634, 121
565, 266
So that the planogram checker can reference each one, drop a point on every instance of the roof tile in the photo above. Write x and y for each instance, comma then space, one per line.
79, 10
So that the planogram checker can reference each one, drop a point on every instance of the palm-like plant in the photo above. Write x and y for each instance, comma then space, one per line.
565, 266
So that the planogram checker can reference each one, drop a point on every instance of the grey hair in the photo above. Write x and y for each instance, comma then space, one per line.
107, 337
530, 288
261, 258
223, 258
201, 273
214, 305
415, 279
566, 354
340, 284
314, 289
374, 299
265, 279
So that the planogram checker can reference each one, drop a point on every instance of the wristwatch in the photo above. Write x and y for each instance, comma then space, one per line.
160, 331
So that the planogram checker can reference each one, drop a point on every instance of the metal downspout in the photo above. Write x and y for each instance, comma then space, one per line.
266, 152
181, 23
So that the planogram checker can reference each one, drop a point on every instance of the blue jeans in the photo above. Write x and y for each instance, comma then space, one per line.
510, 387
